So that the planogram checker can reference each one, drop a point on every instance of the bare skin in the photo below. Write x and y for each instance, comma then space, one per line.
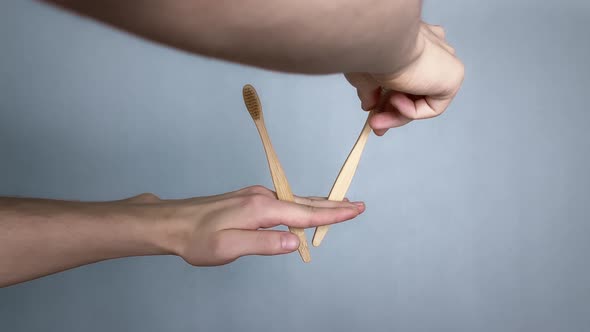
376, 44
422, 89
40, 237
307, 36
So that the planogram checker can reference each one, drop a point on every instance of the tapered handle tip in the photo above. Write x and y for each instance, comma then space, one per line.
303, 248
319, 235
305, 256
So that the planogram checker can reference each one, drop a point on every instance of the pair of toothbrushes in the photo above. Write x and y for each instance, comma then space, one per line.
279, 179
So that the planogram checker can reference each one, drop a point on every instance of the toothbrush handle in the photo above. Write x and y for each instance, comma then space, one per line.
282, 187
344, 178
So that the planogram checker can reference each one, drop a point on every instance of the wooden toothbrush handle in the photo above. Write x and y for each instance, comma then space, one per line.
282, 187
348, 170
344, 178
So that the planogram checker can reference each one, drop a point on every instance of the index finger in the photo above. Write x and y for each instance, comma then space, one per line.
420, 108
303, 216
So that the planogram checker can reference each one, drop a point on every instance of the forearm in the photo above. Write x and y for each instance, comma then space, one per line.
41, 237
296, 36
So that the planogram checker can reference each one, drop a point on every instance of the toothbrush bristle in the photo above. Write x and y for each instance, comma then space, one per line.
252, 102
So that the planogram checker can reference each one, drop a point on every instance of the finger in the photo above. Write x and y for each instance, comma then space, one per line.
382, 121
450, 49
422, 108
272, 213
367, 89
442, 43
391, 116
318, 202
438, 35
234, 243
380, 132
369, 98
437, 30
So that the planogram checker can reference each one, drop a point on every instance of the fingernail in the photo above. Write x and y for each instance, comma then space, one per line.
359, 205
289, 241
363, 106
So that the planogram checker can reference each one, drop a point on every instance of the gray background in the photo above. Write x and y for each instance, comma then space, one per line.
476, 220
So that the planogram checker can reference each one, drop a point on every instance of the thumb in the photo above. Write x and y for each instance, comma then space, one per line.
237, 242
367, 89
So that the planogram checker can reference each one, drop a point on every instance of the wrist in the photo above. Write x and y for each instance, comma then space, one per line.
400, 55
413, 56
139, 229
165, 231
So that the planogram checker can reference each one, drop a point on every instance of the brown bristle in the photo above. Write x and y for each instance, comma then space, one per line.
252, 102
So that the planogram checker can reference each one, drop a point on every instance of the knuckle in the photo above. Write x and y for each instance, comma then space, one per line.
435, 113
461, 70
147, 198
414, 116
439, 111
255, 201
257, 189
438, 29
310, 216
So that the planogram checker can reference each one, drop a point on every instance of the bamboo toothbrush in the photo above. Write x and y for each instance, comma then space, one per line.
344, 178
276, 171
